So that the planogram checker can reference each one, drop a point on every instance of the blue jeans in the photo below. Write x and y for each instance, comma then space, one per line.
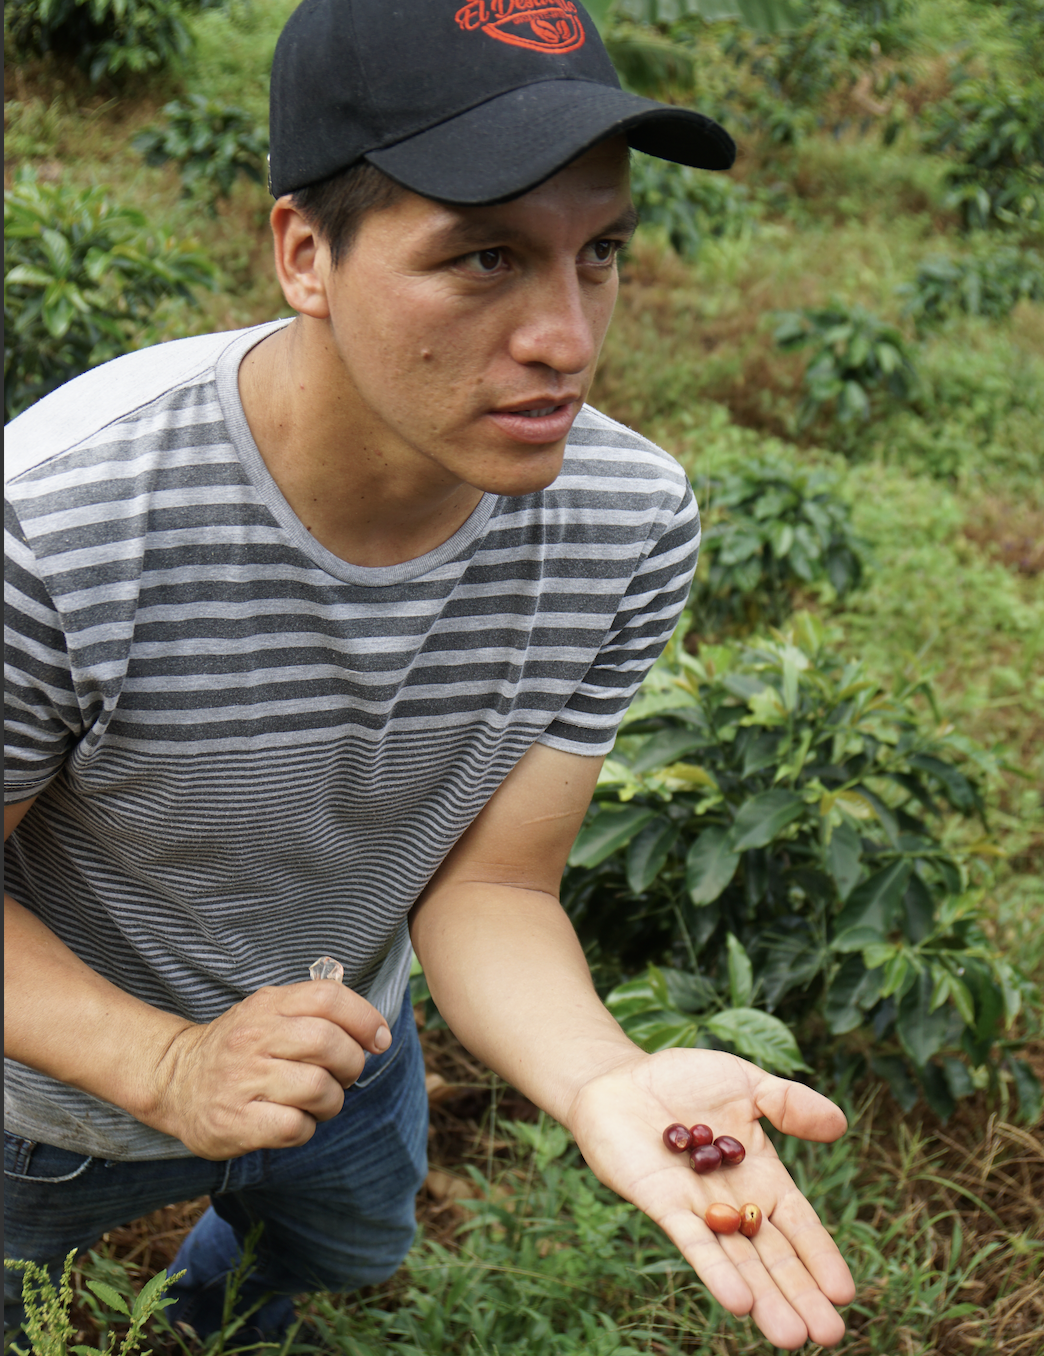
338, 1212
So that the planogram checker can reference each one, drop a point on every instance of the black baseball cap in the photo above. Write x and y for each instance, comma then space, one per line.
463, 101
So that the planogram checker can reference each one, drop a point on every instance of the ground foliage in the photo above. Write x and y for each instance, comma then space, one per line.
210, 142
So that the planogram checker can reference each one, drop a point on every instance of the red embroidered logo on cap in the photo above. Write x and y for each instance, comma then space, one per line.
526, 23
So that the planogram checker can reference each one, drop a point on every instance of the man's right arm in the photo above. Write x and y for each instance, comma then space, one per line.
259, 1076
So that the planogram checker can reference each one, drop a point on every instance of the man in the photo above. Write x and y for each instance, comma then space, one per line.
320, 632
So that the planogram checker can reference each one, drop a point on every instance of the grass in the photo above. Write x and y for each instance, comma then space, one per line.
521, 1250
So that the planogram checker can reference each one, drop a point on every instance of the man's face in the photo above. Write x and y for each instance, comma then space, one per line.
469, 336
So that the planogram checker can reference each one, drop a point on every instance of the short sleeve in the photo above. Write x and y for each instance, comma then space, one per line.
42, 716
644, 623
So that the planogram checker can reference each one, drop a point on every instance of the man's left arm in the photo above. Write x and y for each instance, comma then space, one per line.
507, 973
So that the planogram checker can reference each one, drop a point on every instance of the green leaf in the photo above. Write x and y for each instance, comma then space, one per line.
922, 1032
710, 865
843, 858
648, 851
635, 996
666, 746
875, 903
758, 1036
857, 939
1028, 1087
854, 990
109, 1296
762, 817
741, 972
957, 788
937, 1091
607, 832
661, 1030
897, 1075
687, 992
958, 1079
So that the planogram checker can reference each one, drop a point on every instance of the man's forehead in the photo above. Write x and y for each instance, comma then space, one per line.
473, 227
597, 184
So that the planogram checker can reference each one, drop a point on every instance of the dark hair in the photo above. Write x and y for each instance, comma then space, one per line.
336, 206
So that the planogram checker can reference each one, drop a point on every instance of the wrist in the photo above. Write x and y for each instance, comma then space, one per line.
153, 1096
615, 1061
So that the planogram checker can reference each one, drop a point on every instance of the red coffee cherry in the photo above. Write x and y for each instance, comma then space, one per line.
750, 1220
732, 1151
705, 1158
677, 1138
701, 1134
723, 1219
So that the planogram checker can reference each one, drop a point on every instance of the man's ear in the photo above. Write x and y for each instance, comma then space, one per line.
302, 260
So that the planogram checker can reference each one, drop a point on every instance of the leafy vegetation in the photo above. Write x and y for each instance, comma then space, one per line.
855, 357
769, 825
105, 38
689, 206
994, 129
47, 1305
82, 280
769, 528
990, 283
211, 143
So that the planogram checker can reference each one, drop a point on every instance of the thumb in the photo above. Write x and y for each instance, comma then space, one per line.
799, 1111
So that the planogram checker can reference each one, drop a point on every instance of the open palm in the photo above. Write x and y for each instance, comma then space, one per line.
791, 1275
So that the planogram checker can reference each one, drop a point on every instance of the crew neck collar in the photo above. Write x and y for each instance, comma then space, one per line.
376, 576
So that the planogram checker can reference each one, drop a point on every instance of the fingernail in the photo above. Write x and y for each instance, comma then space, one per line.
382, 1039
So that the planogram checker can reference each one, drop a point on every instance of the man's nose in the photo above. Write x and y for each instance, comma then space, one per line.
556, 325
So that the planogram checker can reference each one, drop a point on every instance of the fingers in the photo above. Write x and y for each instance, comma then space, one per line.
785, 1291
819, 1254
336, 1003
797, 1110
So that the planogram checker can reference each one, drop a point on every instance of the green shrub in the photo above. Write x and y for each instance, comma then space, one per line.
991, 283
856, 357
774, 827
83, 278
103, 37
770, 526
211, 143
994, 128
688, 204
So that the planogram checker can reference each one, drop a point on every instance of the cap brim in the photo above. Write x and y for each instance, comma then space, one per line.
511, 143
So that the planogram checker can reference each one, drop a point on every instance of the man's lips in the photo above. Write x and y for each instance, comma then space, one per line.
544, 419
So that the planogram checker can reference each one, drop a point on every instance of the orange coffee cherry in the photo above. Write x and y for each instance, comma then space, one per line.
750, 1220
723, 1219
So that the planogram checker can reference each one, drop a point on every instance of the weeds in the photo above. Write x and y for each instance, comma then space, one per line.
47, 1305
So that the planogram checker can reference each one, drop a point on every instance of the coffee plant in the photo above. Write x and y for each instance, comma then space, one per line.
211, 143
83, 278
104, 38
687, 204
774, 832
856, 358
770, 527
989, 284
994, 130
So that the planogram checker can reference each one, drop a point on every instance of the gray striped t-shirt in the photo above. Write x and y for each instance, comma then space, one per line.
249, 752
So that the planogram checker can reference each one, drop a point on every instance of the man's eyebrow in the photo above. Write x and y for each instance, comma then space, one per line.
476, 232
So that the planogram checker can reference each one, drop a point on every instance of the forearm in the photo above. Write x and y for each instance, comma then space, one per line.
508, 975
64, 1019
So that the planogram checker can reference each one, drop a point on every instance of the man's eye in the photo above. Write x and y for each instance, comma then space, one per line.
603, 251
483, 261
